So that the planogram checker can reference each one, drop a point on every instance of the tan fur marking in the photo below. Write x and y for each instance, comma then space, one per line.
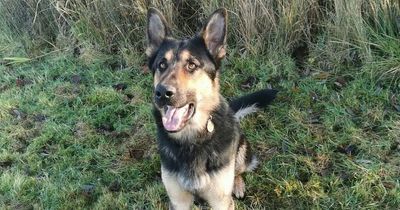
156, 78
180, 199
207, 94
184, 55
240, 165
182, 78
169, 55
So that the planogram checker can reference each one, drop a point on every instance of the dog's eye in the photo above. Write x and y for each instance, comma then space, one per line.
191, 66
163, 65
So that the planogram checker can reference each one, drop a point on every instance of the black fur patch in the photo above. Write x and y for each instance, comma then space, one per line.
259, 98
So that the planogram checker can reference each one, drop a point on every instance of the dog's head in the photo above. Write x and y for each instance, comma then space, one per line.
186, 86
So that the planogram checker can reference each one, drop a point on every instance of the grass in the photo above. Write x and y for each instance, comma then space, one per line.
76, 129
69, 139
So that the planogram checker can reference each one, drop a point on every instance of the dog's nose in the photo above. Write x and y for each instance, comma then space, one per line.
164, 92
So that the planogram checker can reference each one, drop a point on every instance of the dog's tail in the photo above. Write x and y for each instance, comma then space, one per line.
250, 103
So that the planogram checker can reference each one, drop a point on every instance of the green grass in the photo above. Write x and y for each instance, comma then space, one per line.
69, 139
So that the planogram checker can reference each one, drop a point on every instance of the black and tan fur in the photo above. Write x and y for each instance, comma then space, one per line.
203, 152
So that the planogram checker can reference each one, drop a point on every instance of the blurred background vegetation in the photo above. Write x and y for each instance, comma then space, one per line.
314, 32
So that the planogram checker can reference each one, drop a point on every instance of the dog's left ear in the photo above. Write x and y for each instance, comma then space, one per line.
157, 30
214, 33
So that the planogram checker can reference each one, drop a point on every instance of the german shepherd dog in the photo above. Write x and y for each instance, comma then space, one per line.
203, 152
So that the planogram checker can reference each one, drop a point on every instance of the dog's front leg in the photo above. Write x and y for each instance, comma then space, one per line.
180, 199
219, 193
224, 202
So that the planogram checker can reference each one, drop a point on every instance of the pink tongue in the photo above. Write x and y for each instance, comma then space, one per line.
174, 118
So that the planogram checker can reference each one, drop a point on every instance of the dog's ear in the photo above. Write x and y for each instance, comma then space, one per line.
214, 33
157, 30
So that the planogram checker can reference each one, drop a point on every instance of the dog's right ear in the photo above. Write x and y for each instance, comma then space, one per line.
157, 30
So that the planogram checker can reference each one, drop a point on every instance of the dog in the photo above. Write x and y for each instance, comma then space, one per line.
202, 149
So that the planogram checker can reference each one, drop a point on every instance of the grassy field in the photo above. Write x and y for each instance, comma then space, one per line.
76, 129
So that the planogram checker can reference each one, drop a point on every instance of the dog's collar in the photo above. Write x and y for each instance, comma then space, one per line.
210, 125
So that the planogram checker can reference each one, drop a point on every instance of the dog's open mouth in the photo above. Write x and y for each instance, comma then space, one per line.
175, 118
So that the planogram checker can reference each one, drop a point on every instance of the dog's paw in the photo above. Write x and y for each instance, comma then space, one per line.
239, 187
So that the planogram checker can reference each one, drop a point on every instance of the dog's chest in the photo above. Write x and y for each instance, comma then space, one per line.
199, 182
195, 168
195, 181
